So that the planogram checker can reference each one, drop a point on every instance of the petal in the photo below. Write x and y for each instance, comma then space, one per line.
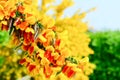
31, 50
47, 54
65, 68
25, 47
60, 60
70, 73
23, 25
29, 30
1, 15
26, 42
31, 20
21, 9
12, 14
57, 42
42, 38
31, 67
48, 71
30, 37
22, 61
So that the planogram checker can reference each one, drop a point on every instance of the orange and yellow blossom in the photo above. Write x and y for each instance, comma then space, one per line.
72, 31
49, 46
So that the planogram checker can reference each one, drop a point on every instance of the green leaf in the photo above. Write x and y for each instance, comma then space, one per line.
17, 13
2, 60
72, 60
106, 46
4, 37
40, 25
58, 72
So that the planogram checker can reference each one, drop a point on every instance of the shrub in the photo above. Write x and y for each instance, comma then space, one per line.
106, 46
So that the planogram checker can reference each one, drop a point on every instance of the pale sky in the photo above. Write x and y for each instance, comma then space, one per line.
106, 16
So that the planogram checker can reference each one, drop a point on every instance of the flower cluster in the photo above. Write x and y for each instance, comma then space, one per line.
73, 32
45, 50
77, 41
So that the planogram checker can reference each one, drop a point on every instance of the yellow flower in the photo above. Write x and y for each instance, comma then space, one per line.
47, 21
42, 38
44, 5
61, 7
29, 30
31, 19
1, 12
4, 22
56, 48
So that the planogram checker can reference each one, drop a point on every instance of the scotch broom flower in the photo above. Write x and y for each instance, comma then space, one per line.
49, 46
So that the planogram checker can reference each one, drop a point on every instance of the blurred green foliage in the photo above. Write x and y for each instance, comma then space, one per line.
10, 69
4, 37
2, 59
106, 46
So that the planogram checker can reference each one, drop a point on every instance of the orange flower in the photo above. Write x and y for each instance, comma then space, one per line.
21, 9
53, 28
28, 38
47, 43
28, 15
23, 25
57, 42
67, 70
31, 67
60, 60
12, 14
30, 50
47, 71
26, 42
49, 56
22, 61
25, 47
